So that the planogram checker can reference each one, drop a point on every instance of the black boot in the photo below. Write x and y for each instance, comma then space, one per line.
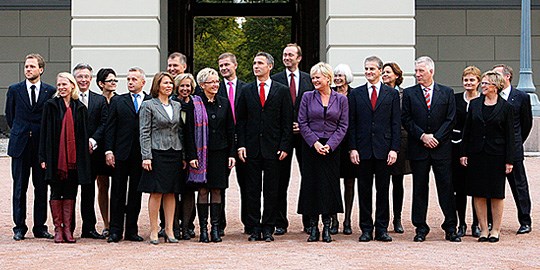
215, 215
314, 232
334, 229
202, 208
398, 227
326, 237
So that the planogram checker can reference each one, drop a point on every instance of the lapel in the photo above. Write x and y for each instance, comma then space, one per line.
91, 101
129, 102
43, 94
24, 94
496, 110
271, 92
364, 95
157, 104
418, 92
239, 86
512, 95
383, 92
333, 98
255, 94
436, 96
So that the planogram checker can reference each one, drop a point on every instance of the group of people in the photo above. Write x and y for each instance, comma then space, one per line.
188, 133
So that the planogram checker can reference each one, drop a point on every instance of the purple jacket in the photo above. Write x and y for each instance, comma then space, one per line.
314, 124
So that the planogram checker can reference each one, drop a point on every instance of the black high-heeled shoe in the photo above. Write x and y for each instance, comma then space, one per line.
169, 239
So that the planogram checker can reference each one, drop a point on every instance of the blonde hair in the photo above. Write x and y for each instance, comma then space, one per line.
323, 68
71, 79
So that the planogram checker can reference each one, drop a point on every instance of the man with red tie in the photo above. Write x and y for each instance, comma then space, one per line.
264, 121
298, 82
374, 141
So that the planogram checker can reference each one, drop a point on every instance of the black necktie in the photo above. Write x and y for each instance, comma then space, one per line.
33, 94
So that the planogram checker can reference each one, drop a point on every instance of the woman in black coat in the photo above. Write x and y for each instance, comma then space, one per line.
488, 152
64, 153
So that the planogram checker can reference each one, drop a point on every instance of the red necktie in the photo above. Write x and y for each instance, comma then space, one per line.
261, 94
231, 100
293, 88
373, 97
428, 98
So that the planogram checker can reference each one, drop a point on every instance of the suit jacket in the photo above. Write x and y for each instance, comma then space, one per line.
122, 129
303, 86
494, 135
222, 91
265, 131
439, 120
521, 103
157, 130
23, 119
315, 124
373, 133
98, 109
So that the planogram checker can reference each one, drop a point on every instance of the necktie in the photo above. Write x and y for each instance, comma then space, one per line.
33, 95
373, 97
262, 94
231, 100
503, 95
293, 88
84, 99
428, 98
136, 102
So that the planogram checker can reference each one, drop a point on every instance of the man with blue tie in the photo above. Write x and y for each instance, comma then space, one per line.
24, 107
374, 141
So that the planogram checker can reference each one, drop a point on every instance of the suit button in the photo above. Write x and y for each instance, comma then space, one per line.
483, 137
213, 131
260, 135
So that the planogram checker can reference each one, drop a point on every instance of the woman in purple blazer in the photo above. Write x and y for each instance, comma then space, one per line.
323, 118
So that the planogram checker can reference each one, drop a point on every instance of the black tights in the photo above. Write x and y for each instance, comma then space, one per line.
349, 198
397, 195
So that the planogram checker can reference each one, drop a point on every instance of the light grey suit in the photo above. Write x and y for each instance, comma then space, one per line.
158, 131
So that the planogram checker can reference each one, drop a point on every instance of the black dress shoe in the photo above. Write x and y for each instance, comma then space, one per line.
135, 238
177, 234
493, 239
255, 236
383, 237
280, 231
191, 233
43, 234
18, 236
398, 228
267, 237
307, 230
482, 239
92, 234
365, 237
221, 232
475, 231
462, 230
523, 229
114, 238
347, 230
419, 237
452, 237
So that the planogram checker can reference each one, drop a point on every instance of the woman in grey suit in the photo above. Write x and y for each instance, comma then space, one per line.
161, 136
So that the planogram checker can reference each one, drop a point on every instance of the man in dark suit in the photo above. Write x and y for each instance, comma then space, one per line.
519, 185
176, 63
428, 116
230, 88
298, 82
374, 141
24, 108
97, 118
264, 118
123, 152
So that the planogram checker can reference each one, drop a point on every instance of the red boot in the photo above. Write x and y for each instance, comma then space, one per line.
68, 210
56, 210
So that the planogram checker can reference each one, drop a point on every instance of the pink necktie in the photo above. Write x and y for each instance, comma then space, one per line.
231, 100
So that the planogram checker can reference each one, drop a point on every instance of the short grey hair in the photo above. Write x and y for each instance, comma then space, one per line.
269, 58
426, 60
345, 70
80, 66
203, 75
138, 69
374, 59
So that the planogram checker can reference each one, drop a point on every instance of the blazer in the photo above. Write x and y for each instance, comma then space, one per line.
439, 120
157, 130
23, 119
98, 109
523, 119
51, 127
265, 131
373, 133
222, 91
122, 129
303, 86
493, 135
315, 124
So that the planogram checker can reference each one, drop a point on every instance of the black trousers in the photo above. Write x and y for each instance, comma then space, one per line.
125, 182
268, 185
284, 179
442, 168
379, 169
520, 191
20, 171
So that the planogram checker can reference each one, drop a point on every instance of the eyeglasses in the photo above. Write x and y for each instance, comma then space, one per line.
212, 82
111, 81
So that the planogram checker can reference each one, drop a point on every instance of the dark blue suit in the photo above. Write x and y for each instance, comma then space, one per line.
439, 121
374, 133
25, 122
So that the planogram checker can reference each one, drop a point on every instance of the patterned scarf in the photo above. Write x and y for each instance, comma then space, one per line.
198, 176
67, 154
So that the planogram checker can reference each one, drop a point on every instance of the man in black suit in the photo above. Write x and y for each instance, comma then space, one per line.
230, 88
298, 82
519, 185
123, 152
374, 141
97, 118
428, 116
264, 118
24, 107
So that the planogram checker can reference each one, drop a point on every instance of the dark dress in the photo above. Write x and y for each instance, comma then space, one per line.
346, 167
458, 170
402, 165
489, 145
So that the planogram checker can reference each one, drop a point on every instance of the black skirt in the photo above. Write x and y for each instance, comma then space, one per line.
347, 169
320, 191
402, 165
459, 172
486, 177
166, 174
217, 169
99, 166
